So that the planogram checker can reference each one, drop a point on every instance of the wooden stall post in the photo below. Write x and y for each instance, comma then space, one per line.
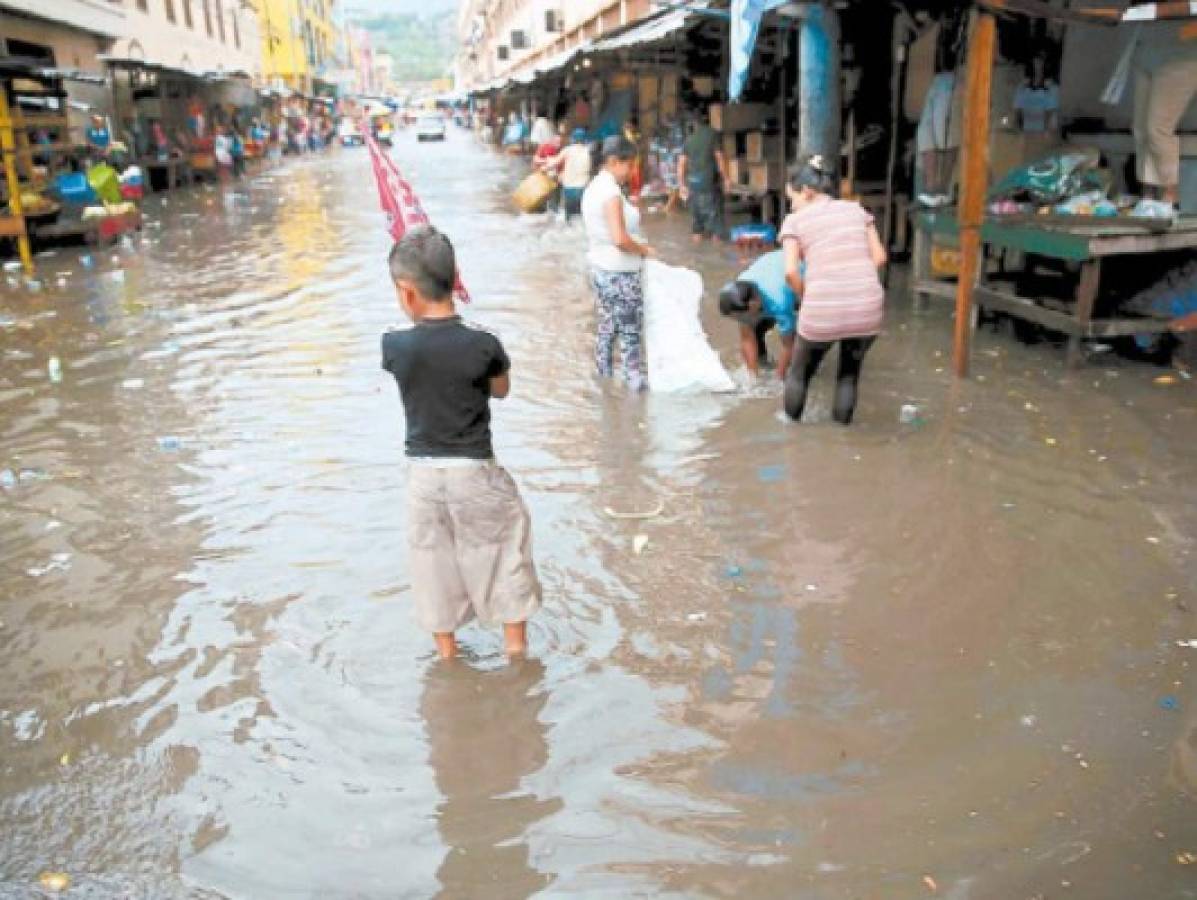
8, 148
975, 178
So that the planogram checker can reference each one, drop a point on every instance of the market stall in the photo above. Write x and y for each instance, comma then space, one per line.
1040, 215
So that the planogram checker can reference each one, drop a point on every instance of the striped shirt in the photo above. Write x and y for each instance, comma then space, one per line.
842, 295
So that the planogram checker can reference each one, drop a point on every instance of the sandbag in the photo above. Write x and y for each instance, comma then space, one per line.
680, 358
534, 192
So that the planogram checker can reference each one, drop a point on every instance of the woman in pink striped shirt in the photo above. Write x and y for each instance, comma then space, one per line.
841, 292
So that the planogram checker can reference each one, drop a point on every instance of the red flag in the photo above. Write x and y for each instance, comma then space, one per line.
399, 200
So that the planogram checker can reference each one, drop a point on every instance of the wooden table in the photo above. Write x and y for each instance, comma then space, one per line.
1082, 240
176, 171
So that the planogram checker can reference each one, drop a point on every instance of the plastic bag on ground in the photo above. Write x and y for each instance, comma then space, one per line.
680, 358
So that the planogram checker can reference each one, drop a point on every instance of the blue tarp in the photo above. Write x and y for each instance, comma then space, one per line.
745, 25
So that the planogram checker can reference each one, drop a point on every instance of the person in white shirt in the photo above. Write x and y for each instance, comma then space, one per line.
573, 166
616, 257
542, 132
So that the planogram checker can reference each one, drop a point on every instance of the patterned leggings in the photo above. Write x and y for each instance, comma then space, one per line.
619, 299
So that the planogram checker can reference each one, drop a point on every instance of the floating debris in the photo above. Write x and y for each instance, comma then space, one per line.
56, 882
650, 514
639, 543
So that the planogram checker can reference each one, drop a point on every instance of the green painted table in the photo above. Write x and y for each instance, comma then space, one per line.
1084, 241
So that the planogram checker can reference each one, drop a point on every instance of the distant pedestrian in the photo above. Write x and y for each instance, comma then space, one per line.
702, 175
222, 149
98, 137
573, 168
469, 532
840, 291
616, 257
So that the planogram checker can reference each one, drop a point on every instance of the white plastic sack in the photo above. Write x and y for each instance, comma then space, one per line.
680, 358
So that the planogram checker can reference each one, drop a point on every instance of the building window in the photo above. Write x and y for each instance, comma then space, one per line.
236, 30
37, 52
220, 19
207, 18
170, 9
187, 14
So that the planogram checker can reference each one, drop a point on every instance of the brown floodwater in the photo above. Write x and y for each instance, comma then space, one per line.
886, 661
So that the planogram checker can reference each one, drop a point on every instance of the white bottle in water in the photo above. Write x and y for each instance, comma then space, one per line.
54, 367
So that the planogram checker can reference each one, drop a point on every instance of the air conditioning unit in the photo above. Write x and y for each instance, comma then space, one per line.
552, 21
519, 40
504, 53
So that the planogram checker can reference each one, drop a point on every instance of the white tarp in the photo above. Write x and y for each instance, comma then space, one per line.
680, 358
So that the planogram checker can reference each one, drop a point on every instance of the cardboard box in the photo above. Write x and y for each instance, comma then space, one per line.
649, 91
730, 147
727, 117
754, 146
738, 171
767, 176
704, 85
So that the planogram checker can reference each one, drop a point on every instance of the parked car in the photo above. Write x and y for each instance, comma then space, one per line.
349, 134
430, 128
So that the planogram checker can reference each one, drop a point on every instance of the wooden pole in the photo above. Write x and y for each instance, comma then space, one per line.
975, 181
8, 148
898, 48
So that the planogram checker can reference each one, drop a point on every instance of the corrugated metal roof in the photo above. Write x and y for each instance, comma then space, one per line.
649, 31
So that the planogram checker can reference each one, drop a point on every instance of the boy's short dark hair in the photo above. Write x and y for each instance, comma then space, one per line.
425, 257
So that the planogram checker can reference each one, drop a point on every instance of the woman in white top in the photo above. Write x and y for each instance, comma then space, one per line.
616, 257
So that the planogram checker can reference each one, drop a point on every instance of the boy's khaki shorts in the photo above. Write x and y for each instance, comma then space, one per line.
470, 539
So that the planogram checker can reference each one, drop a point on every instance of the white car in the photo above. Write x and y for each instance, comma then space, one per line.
430, 128
349, 134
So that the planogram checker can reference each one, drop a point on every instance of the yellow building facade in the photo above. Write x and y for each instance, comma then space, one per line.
300, 42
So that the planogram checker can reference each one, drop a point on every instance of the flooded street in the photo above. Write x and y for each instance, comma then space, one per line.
885, 661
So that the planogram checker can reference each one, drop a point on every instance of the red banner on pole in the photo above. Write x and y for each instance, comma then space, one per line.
398, 199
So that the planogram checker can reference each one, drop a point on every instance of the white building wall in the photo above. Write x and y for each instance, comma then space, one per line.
154, 37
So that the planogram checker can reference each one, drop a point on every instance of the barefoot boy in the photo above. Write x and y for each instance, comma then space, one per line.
468, 530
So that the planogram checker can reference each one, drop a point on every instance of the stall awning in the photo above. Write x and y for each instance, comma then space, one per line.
649, 31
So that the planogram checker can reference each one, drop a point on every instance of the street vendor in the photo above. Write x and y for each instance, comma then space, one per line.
1165, 85
98, 137
1037, 100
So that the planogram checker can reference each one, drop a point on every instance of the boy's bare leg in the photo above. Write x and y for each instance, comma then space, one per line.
750, 350
515, 636
446, 645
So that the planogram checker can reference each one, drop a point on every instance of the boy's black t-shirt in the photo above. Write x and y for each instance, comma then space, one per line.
444, 368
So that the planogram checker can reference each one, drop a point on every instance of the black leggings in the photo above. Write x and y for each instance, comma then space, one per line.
808, 356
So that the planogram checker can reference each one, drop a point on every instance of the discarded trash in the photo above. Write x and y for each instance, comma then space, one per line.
771, 474
64, 760
54, 881
650, 514
133, 384
1028, 721
33, 284
1185, 858
1192, 644
61, 282
909, 414
1169, 703
169, 443
734, 571
59, 562
118, 276
8, 479
86, 261
1165, 379
930, 883
639, 542
697, 617
54, 368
